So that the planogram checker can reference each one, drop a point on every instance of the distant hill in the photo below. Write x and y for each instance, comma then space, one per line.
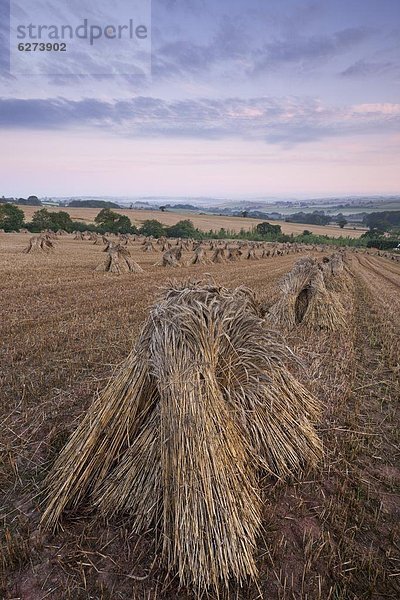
180, 207
93, 204
31, 201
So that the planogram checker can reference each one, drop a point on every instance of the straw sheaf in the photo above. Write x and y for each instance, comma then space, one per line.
324, 310
119, 261
333, 269
199, 257
39, 244
181, 435
305, 299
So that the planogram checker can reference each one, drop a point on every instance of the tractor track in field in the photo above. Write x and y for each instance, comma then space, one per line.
388, 261
388, 266
367, 264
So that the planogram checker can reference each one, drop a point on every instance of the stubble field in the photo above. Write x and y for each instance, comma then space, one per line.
333, 534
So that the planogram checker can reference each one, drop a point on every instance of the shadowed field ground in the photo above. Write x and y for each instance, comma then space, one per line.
331, 535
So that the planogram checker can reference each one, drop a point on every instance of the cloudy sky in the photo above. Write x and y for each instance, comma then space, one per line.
245, 98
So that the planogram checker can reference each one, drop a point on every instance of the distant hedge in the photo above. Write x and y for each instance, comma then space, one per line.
383, 243
92, 204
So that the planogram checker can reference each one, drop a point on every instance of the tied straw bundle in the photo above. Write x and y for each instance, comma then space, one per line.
180, 437
305, 300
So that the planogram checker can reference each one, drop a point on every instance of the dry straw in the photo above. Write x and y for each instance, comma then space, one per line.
333, 265
218, 256
251, 254
183, 433
171, 258
234, 254
110, 245
305, 300
119, 261
148, 247
199, 257
39, 244
333, 269
98, 240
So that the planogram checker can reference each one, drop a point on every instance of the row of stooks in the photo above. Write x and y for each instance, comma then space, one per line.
202, 413
119, 260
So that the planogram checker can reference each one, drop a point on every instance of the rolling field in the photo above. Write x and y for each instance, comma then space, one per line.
332, 534
202, 222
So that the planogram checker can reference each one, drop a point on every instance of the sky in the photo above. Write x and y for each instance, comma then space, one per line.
227, 99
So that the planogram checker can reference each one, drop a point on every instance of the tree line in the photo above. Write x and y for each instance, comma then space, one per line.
12, 218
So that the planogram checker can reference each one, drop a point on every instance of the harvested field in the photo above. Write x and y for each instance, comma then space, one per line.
327, 534
203, 222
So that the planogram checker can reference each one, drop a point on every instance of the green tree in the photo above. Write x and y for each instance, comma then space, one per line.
61, 220
315, 218
383, 243
109, 220
183, 229
31, 201
92, 204
106, 216
383, 221
152, 227
342, 222
43, 219
34, 201
11, 217
124, 225
266, 228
